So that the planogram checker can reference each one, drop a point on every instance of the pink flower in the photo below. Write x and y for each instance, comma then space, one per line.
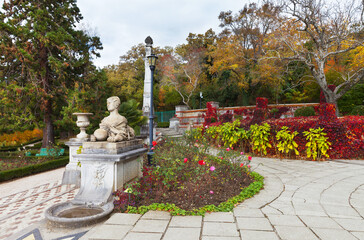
221, 157
212, 168
242, 165
185, 160
227, 149
250, 158
211, 192
249, 166
219, 145
232, 148
152, 148
241, 153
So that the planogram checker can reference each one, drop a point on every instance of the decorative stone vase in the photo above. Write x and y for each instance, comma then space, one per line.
82, 123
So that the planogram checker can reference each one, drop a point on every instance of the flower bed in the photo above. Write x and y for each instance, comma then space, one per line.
18, 138
188, 181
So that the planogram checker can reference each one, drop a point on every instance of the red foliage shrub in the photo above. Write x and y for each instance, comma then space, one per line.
261, 102
226, 117
210, 116
260, 111
346, 135
327, 112
239, 111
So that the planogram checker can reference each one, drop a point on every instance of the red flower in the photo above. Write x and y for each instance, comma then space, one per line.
154, 143
201, 162
250, 158
185, 160
242, 165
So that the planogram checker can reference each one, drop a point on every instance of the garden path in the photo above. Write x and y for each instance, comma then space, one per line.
301, 200
24, 201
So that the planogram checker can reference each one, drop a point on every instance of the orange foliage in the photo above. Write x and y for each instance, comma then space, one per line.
20, 137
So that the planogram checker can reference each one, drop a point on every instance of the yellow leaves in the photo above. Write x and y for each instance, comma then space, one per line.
357, 58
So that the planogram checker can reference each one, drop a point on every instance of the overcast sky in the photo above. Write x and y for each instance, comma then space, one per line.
122, 24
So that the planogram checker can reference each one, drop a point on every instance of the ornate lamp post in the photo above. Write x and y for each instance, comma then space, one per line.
152, 61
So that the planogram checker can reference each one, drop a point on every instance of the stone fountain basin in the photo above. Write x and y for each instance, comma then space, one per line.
75, 215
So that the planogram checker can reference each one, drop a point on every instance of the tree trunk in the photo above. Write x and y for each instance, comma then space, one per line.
331, 98
48, 131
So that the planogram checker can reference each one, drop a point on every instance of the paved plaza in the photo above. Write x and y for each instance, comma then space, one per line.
300, 200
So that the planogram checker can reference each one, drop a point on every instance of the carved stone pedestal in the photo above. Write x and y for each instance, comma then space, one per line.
72, 174
106, 167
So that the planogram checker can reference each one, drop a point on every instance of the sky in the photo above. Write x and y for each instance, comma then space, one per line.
121, 24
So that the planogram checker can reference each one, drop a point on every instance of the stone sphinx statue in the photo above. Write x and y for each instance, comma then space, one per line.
113, 128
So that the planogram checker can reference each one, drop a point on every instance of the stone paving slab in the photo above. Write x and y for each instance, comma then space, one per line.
247, 212
320, 222
351, 224
329, 234
123, 219
186, 221
219, 217
220, 229
254, 224
295, 233
107, 232
153, 226
285, 220
258, 235
182, 233
220, 238
142, 236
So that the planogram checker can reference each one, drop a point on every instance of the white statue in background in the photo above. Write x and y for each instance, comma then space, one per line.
113, 128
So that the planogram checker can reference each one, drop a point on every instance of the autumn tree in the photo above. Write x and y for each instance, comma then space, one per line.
240, 43
316, 32
44, 51
183, 70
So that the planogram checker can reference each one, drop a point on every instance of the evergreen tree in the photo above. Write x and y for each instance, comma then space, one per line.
45, 52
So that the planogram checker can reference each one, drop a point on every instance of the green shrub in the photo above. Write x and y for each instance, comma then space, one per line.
352, 98
163, 124
317, 144
31, 169
358, 110
260, 138
130, 110
305, 112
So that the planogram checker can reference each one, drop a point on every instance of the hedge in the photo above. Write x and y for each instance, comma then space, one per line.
32, 169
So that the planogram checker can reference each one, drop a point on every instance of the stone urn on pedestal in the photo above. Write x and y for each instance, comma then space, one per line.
83, 123
72, 174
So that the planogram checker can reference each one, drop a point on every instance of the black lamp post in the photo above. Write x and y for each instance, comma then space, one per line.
152, 61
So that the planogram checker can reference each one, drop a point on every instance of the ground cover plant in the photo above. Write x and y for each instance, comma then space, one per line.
185, 179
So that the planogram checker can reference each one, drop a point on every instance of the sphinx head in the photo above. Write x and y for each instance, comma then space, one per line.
113, 103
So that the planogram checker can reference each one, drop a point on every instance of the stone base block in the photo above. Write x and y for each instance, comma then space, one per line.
111, 147
72, 176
